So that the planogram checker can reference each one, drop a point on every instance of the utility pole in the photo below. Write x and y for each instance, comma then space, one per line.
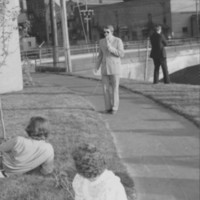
87, 15
54, 32
197, 15
117, 22
87, 21
65, 36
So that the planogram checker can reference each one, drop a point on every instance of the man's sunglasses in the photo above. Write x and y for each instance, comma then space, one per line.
106, 32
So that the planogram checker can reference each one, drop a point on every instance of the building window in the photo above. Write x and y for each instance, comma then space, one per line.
29, 44
185, 29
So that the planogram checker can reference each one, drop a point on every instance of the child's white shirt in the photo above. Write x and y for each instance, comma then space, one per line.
22, 154
106, 187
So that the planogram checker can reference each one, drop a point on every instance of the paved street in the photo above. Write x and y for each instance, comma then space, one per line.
159, 147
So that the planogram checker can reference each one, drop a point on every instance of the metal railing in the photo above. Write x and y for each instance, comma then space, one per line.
91, 48
138, 50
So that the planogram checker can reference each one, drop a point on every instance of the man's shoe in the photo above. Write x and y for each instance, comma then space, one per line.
109, 111
106, 112
2, 174
113, 112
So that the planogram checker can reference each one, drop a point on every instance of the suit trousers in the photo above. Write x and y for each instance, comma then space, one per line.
163, 63
111, 91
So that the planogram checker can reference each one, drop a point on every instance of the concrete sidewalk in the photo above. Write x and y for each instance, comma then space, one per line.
159, 147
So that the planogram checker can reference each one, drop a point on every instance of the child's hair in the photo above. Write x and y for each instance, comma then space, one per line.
38, 128
89, 161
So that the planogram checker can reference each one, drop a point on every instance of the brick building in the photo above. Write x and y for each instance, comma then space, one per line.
134, 19
185, 15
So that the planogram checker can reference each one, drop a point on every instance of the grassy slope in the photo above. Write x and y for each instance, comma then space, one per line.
73, 121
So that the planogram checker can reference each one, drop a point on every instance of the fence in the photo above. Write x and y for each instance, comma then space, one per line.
84, 56
46, 52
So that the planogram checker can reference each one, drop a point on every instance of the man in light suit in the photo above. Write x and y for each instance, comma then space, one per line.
111, 50
158, 54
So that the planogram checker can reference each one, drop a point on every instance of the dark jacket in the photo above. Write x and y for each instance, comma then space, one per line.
158, 43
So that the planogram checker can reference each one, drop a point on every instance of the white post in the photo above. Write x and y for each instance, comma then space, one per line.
65, 36
2, 120
24, 5
54, 32
147, 59
197, 17
87, 20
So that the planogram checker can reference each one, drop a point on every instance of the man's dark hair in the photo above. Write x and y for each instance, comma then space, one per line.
158, 27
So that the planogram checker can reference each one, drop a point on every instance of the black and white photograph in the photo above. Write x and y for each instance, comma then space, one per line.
99, 99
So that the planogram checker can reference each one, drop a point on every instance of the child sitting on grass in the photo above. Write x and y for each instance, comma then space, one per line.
94, 181
23, 154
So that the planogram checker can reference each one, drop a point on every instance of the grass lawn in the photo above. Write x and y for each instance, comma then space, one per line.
73, 121
184, 99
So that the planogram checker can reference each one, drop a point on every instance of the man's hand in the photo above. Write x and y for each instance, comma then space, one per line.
95, 70
109, 46
108, 43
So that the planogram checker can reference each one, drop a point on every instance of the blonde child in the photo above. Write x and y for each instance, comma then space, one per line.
23, 154
93, 181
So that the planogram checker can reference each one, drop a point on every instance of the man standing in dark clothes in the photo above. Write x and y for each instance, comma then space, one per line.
158, 54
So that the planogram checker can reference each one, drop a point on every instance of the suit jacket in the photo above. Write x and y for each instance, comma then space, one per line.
158, 43
109, 58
